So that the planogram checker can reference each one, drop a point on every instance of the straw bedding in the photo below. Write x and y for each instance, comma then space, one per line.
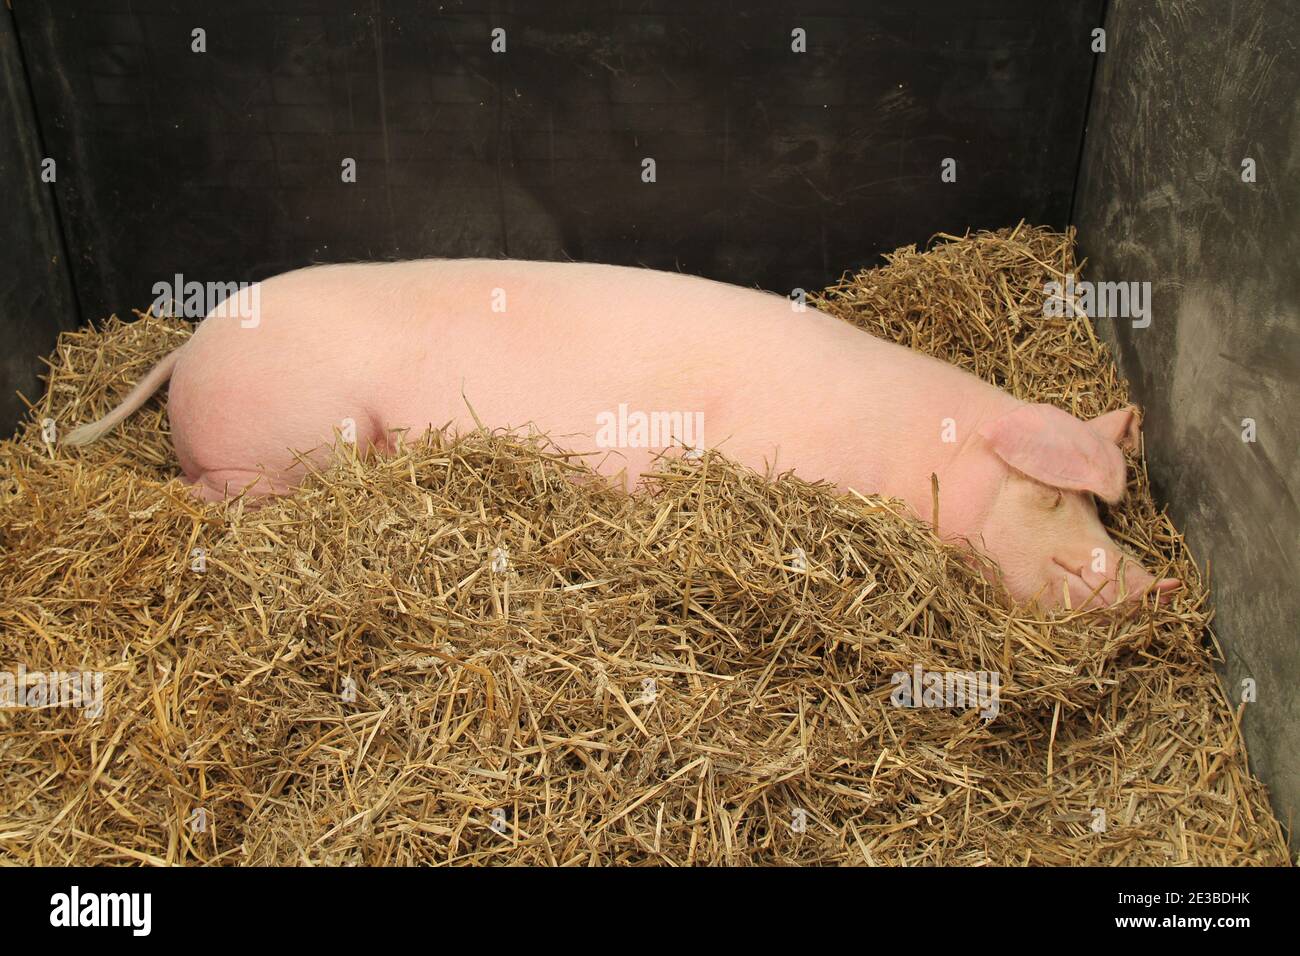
461, 655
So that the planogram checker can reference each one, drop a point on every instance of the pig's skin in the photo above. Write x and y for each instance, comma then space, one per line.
414, 345
406, 345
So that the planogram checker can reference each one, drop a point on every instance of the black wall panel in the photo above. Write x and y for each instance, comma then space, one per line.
774, 168
36, 300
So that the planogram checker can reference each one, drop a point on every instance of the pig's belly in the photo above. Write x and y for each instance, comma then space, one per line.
617, 424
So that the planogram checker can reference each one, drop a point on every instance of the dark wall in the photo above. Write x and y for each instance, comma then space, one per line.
36, 300
1186, 91
774, 168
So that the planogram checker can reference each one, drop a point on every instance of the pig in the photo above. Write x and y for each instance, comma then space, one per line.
569, 348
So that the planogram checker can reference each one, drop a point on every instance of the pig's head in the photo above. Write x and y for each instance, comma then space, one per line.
1042, 528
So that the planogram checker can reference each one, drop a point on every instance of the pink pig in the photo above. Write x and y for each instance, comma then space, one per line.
590, 353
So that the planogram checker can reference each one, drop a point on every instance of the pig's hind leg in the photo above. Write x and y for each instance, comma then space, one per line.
262, 482
229, 483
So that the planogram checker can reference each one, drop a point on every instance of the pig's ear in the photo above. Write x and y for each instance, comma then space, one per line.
1057, 449
1121, 427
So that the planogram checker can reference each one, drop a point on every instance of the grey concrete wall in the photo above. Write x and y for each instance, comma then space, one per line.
1185, 92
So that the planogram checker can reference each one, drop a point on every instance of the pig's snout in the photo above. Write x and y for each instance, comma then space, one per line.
1054, 551
1088, 585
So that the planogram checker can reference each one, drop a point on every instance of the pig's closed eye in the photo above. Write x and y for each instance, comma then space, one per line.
1051, 497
